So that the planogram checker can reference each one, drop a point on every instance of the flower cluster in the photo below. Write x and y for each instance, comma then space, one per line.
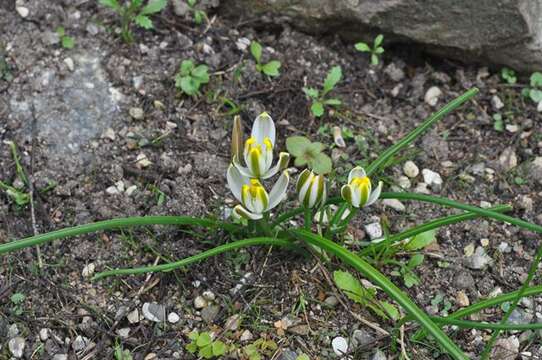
245, 180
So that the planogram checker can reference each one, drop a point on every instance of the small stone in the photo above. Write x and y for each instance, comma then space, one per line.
69, 63
173, 318
535, 169
361, 338
80, 343
154, 312
209, 295
462, 299
232, 323
16, 346
88, 270
242, 43
60, 357
485, 204
410, 169
180, 7
23, 11
130, 190
331, 301
378, 355
374, 230
200, 302
469, 250
137, 113
496, 102
13, 331
151, 356
539, 107
508, 159
394, 204
142, 161
394, 72
112, 190
431, 178
512, 128
422, 188
133, 316
464, 280
51, 37
432, 95
109, 134
124, 332
504, 247
484, 242
339, 345
505, 348
302, 330
519, 316
44, 334
478, 260
209, 313
246, 336
404, 182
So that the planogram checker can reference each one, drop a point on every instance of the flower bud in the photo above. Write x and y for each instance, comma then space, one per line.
311, 189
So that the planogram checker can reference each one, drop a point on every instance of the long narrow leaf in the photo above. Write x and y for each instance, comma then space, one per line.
196, 258
392, 150
383, 282
112, 224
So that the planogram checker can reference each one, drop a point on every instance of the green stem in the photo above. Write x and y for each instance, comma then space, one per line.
196, 258
434, 224
483, 325
381, 280
308, 218
112, 224
532, 271
392, 150
479, 306
454, 204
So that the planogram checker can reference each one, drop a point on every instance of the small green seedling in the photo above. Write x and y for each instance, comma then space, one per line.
260, 349
375, 51
355, 291
17, 299
199, 15
309, 153
190, 77
319, 98
203, 344
509, 75
66, 41
535, 91
271, 68
122, 354
17, 194
133, 11
498, 122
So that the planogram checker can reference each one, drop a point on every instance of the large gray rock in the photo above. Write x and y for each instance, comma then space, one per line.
505, 32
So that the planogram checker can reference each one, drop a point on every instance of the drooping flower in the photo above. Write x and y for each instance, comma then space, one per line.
252, 195
358, 192
258, 151
311, 189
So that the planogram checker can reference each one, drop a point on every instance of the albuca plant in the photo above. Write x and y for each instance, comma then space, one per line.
256, 221
133, 11
376, 50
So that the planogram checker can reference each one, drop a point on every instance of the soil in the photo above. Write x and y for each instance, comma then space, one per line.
75, 116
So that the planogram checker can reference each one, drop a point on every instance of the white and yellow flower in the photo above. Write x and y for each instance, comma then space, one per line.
258, 151
253, 197
358, 192
311, 189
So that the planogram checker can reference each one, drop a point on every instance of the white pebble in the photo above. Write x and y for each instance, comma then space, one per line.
410, 169
432, 95
88, 270
23, 11
173, 318
431, 178
339, 345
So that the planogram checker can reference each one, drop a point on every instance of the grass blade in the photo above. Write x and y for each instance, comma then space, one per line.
112, 224
392, 150
196, 258
393, 291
